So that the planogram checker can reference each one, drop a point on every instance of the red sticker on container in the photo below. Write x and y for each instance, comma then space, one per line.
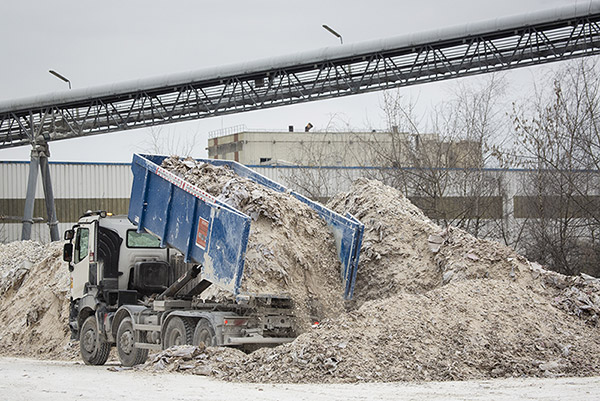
202, 234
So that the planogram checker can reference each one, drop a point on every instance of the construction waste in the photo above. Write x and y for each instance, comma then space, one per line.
34, 301
430, 303
290, 248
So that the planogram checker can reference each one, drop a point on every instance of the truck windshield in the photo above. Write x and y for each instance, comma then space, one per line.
141, 240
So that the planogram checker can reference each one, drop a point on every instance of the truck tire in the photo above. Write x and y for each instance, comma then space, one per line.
93, 350
178, 332
129, 355
204, 333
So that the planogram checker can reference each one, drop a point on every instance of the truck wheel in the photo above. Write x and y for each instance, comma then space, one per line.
94, 351
129, 355
178, 332
205, 333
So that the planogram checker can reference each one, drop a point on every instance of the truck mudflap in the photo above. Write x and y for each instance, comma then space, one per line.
185, 217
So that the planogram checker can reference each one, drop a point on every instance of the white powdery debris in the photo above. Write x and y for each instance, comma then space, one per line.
432, 304
16, 259
462, 309
34, 302
290, 250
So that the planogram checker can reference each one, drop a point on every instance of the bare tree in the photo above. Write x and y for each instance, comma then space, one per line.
444, 172
319, 169
161, 142
559, 137
441, 164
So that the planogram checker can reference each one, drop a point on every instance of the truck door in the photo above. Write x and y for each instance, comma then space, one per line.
84, 266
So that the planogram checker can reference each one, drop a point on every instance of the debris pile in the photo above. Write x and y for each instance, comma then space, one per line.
290, 248
395, 255
198, 360
16, 259
34, 301
425, 337
431, 304
577, 295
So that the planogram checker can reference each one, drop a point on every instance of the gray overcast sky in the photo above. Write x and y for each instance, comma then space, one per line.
103, 42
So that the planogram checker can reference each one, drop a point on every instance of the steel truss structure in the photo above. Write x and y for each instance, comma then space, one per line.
341, 75
328, 73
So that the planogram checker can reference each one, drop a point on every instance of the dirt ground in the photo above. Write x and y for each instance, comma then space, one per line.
27, 379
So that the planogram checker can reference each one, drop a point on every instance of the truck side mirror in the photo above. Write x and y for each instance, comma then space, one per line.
69, 234
68, 252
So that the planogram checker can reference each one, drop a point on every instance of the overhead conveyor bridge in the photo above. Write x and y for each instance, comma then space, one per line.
500, 44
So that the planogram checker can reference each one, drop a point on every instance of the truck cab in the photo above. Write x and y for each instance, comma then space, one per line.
107, 251
111, 263
109, 254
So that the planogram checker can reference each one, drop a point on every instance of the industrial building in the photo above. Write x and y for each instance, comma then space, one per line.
346, 149
317, 164
78, 187
106, 186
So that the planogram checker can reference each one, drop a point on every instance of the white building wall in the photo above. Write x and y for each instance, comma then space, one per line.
88, 182
69, 181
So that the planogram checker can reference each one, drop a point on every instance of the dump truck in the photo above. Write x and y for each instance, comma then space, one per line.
136, 280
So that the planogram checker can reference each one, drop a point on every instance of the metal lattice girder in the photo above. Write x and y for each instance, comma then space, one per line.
332, 72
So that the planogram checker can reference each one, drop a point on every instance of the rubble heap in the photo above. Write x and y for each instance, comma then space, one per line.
16, 259
290, 248
395, 255
34, 301
431, 304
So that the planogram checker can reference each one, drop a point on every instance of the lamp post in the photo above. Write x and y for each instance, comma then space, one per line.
328, 28
57, 75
